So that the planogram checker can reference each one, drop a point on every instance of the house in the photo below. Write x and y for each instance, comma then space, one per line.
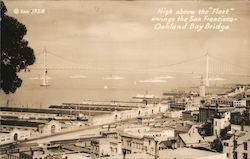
132, 143
105, 147
148, 141
238, 145
192, 139
220, 122
183, 127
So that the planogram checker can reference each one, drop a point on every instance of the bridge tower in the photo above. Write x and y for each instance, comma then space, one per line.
45, 81
207, 70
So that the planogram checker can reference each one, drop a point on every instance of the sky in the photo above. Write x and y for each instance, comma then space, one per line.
121, 33
112, 36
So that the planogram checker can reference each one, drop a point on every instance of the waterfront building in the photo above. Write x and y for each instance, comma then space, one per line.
14, 135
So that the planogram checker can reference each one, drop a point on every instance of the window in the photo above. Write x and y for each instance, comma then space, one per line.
228, 155
53, 129
245, 145
244, 155
15, 136
225, 144
235, 144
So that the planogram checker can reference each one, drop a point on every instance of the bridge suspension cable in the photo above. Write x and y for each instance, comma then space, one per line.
221, 68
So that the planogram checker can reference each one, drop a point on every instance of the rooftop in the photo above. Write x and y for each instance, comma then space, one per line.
20, 123
192, 154
181, 153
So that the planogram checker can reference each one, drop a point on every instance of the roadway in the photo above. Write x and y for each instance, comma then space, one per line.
73, 134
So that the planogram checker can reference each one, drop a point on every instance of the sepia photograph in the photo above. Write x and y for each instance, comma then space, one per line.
125, 79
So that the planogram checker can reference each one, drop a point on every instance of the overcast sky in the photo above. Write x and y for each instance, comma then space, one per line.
120, 34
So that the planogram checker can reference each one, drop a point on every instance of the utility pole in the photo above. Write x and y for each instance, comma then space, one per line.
234, 147
156, 149
235, 144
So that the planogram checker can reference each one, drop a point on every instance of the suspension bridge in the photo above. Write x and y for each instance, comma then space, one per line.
208, 66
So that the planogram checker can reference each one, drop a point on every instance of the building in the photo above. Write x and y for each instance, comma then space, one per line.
220, 122
208, 112
239, 103
222, 101
148, 110
161, 134
191, 139
134, 129
105, 147
50, 128
132, 143
182, 127
173, 114
190, 115
145, 140
146, 120
14, 135
239, 118
238, 146
181, 153
178, 105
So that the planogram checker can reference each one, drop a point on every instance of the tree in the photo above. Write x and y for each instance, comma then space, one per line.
16, 55
217, 145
